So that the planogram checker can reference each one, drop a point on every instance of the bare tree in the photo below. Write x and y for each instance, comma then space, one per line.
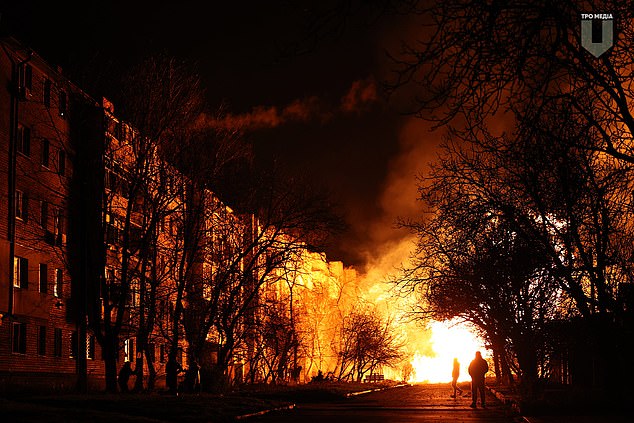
515, 243
560, 177
368, 342
477, 60
473, 266
162, 98
239, 254
278, 340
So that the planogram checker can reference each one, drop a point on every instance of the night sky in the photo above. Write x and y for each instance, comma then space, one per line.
312, 100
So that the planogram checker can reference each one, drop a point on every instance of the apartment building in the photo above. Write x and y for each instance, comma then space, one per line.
38, 329
61, 229
77, 237
103, 243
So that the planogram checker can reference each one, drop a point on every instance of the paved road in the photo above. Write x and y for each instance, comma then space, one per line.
418, 403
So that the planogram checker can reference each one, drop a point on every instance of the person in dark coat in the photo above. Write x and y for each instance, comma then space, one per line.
192, 377
455, 373
172, 370
124, 376
477, 369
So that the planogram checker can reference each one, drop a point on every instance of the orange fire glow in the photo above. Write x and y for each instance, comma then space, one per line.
449, 340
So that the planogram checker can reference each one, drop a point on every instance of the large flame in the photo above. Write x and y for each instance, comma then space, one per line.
449, 340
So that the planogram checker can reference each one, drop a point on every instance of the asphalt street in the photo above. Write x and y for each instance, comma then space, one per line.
418, 403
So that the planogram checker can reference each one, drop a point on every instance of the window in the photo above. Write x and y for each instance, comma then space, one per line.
162, 353
162, 225
57, 342
110, 276
18, 338
207, 275
128, 350
21, 205
133, 294
113, 233
114, 181
73, 345
25, 79
59, 283
47, 92
43, 214
46, 147
90, 347
20, 272
62, 103
43, 278
23, 143
61, 162
41, 340
108, 179
58, 226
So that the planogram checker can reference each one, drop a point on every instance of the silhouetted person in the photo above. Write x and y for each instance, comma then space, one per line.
172, 369
192, 377
477, 369
295, 373
319, 377
124, 376
455, 373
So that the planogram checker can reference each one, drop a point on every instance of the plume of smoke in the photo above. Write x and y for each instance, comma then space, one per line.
359, 98
391, 248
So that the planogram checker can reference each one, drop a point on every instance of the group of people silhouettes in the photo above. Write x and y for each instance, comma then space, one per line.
478, 368
172, 370
192, 377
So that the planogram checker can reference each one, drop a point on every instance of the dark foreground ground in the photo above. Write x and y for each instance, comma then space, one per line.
97, 408
156, 407
330, 403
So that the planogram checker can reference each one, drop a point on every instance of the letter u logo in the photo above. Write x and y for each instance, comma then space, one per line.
597, 49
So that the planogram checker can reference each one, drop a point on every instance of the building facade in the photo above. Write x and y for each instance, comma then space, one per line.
37, 329
103, 243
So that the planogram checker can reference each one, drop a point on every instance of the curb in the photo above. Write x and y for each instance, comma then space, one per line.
368, 391
263, 412
292, 406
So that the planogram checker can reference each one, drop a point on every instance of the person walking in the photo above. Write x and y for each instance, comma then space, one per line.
124, 376
477, 369
455, 373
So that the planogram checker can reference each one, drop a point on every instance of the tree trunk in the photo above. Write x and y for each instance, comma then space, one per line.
151, 380
507, 374
138, 383
496, 365
527, 360
110, 356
